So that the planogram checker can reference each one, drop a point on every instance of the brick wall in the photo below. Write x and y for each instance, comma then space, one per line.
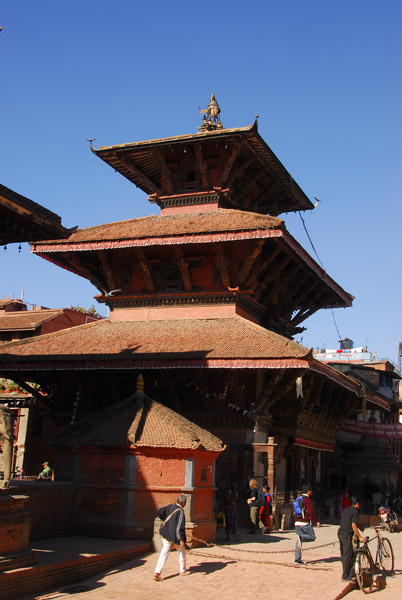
51, 507
31, 580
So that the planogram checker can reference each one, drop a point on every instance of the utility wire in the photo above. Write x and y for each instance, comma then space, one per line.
319, 260
312, 245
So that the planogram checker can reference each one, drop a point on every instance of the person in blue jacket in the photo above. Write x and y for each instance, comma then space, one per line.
173, 532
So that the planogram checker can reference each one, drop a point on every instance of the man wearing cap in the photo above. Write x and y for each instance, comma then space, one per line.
47, 471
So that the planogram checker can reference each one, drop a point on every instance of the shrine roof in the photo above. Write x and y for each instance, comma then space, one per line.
27, 319
165, 226
143, 422
221, 225
23, 220
232, 342
140, 163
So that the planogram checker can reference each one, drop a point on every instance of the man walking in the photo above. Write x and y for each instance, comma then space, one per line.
304, 524
348, 527
173, 533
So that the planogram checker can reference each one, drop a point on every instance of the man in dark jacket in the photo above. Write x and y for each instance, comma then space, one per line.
304, 524
173, 533
348, 528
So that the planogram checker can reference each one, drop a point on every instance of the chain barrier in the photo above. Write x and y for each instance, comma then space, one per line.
195, 552
261, 551
260, 562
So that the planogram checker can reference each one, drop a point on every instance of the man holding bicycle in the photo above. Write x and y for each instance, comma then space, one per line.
348, 527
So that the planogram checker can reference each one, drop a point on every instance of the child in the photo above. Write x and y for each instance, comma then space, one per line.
266, 510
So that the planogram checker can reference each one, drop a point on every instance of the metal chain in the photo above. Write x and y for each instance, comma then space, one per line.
211, 545
260, 562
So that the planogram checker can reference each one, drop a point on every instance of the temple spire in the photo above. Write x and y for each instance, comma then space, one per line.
211, 120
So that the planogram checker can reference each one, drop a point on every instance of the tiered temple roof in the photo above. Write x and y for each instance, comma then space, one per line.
236, 163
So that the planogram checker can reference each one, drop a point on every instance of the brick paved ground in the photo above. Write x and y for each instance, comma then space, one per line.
225, 574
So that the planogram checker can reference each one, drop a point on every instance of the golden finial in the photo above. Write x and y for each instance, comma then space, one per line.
211, 120
140, 383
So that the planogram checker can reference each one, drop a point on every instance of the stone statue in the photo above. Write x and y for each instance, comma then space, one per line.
7, 435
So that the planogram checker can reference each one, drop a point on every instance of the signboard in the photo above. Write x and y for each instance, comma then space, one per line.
391, 431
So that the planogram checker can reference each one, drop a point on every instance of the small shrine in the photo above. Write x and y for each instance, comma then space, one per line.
138, 455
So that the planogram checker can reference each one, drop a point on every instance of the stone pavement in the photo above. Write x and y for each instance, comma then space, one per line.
256, 565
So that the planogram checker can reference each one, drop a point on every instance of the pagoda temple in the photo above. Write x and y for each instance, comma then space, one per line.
205, 299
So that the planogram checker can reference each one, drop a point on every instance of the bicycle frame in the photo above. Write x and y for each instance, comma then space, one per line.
366, 567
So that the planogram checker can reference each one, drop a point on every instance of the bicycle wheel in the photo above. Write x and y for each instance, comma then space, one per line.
386, 555
364, 572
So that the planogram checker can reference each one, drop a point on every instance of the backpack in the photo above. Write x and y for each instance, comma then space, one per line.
260, 498
298, 506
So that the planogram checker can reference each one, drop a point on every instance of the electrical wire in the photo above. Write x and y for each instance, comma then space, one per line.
319, 260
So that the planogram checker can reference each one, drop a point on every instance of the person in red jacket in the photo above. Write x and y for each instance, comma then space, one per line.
304, 524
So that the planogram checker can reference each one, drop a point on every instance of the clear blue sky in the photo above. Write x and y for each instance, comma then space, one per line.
324, 77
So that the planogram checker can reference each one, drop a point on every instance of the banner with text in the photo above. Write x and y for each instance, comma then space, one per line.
380, 430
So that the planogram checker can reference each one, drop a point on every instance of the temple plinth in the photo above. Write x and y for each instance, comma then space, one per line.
15, 525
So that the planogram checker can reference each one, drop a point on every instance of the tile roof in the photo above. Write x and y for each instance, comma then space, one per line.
143, 422
222, 225
158, 342
27, 319
271, 171
227, 343
155, 226
8, 301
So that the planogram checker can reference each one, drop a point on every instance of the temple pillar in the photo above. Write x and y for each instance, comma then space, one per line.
271, 446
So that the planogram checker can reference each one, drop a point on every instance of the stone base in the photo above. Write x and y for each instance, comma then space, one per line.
17, 560
15, 526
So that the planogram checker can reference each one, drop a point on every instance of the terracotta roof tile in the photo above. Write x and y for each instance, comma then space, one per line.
220, 220
156, 341
143, 422
231, 342
30, 319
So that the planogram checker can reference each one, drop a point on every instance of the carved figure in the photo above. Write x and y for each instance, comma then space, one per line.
213, 109
211, 120
7, 435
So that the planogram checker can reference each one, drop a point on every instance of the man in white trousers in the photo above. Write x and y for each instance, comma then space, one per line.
173, 532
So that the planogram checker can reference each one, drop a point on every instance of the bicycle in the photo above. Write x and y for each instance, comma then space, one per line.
366, 568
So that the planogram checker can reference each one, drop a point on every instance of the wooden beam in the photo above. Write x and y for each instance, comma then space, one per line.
246, 188
183, 268
229, 164
267, 390
202, 166
41, 400
222, 263
284, 386
264, 264
107, 269
302, 315
240, 170
248, 263
145, 270
272, 275
134, 170
85, 271
165, 172
283, 291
